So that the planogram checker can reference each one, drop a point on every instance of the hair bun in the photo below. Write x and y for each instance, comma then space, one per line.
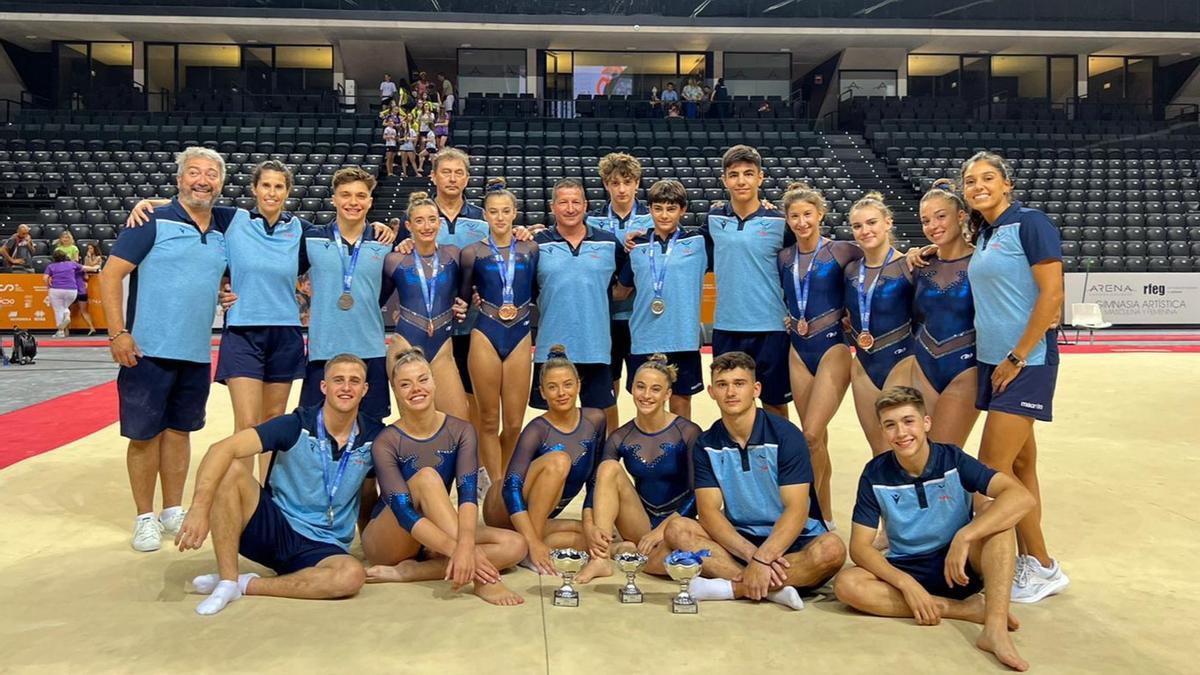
658, 358
411, 351
495, 184
946, 184
557, 351
417, 196
874, 194
797, 186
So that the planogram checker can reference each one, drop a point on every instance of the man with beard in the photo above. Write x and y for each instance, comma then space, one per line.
163, 341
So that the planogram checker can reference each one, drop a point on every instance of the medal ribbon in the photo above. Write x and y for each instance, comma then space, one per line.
801, 284
428, 286
323, 445
507, 272
347, 270
660, 277
864, 297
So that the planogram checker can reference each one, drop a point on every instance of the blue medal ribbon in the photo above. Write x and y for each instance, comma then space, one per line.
428, 286
323, 446
801, 283
660, 277
864, 297
347, 270
507, 271
687, 557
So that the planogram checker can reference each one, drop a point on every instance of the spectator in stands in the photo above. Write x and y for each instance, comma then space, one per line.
764, 108
304, 297
447, 91
18, 250
387, 90
408, 147
673, 111
422, 88
390, 143
60, 277
669, 96
66, 244
92, 259
692, 95
706, 101
720, 99
441, 127
429, 148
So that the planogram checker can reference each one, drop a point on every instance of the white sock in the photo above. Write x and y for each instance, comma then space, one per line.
711, 589
831, 526
787, 596
205, 583
169, 512
145, 516
1042, 570
225, 593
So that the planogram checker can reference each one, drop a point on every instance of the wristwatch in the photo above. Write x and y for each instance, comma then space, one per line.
1015, 360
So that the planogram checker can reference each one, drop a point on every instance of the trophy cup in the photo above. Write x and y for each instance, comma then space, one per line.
630, 562
683, 566
568, 562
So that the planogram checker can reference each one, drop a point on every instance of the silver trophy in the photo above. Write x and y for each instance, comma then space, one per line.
630, 563
683, 572
568, 562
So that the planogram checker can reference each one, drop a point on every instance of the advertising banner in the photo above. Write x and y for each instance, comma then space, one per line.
1137, 298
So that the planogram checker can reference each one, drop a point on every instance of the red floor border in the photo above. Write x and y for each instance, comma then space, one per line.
44, 426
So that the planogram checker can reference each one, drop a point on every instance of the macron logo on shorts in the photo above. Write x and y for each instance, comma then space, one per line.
1032, 406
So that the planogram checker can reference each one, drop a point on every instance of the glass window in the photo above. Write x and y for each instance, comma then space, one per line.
867, 83
760, 74
491, 71
303, 68
560, 67
257, 63
975, 78
74, 79
160, 75
1139, 80
933, 75
206, 67
1019, 77
626, 73
1106, 78
112, 64
1062, 79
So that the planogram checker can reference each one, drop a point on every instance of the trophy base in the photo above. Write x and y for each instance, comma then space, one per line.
561, 600
629, 597
691, 607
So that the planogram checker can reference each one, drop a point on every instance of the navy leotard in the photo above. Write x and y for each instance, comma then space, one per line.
481, 274
583, 445
400, 269
891, 316
944, 321
453, 452
661, 466
826, 297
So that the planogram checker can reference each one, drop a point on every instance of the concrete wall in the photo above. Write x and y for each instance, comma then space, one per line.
365, 62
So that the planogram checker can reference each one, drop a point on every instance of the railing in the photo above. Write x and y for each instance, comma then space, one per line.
764, 108
217, 102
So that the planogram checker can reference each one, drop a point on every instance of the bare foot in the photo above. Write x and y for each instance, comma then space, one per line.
401, 571
498, 594
598, 567
977, 605
1002, 646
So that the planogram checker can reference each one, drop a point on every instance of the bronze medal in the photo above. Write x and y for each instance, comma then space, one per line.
430, 329
658, 306
801, 327
866, 340
345, 301
508, 312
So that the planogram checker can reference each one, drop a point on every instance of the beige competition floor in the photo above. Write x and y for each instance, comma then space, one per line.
1118, 467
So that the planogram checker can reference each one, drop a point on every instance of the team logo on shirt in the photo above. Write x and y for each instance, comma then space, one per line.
896, 497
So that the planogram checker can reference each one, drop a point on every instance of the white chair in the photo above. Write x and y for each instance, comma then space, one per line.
1087, 315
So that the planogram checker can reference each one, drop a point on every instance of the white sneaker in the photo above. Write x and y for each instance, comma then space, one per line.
483, 483
1034, 583
147, 535
171, 524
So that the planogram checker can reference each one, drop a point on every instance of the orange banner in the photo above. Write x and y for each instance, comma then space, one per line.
25, 303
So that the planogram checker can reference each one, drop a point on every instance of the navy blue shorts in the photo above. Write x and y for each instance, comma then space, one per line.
270, 541
1031, 394
796, 546
160, 394
378, 401
688, 382
622, 342
461, 345
263, 353
769, 350
930, 571
595, 387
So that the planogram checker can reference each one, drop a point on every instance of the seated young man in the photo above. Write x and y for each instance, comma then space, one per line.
759, 517
301, 523
939, 557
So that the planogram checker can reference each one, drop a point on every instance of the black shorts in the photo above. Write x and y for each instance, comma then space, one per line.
81, 297
621, 344
595, 387
263, 353
269, 540
160, 394
461, 344
929, 570
1031, 394
769, 349
376, 404
795, 547
688, 382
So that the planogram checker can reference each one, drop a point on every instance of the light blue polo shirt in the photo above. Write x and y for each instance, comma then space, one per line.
749, 478
574, 287
297, 475
1002, 284
638, 219
745, 255
678, 328
173, 289
331, 330
264, 262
